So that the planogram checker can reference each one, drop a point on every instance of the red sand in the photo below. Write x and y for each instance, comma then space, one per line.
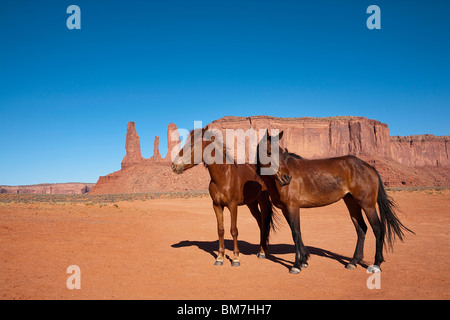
164, 249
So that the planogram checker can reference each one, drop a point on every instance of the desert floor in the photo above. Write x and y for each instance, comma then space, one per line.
165, 249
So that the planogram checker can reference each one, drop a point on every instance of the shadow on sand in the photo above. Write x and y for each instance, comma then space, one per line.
246, 248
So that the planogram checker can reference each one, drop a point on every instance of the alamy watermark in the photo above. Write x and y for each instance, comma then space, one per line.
374, 20
74, 281
237, 145
74, 20
374, 280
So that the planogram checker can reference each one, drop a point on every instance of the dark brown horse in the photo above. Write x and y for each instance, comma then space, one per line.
231, 185
302, 183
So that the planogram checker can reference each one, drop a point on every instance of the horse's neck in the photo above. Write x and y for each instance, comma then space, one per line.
222, 169
219, 172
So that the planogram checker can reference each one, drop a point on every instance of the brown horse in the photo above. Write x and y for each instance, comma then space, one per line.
231, 185
302, 183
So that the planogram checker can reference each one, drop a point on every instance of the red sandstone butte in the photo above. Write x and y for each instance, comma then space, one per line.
156, 155
173, 139
338, 136
421, 160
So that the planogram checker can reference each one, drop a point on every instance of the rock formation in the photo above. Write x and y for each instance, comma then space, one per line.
132, 147
173, 139
338, 136
156, 155
421, 160
421, 150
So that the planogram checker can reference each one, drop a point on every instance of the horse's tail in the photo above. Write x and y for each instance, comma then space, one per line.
272, 220
391, 226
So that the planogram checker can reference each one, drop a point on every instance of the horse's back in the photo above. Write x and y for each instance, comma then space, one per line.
324, 181
337, 165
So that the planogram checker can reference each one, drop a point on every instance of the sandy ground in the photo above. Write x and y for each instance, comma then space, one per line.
165, 249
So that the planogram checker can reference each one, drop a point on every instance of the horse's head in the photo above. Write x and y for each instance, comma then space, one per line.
191, 153
271, 159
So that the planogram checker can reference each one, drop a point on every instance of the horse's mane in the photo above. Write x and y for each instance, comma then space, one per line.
225, 152
292, 154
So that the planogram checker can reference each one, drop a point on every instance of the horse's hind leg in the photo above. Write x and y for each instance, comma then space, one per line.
361, 228
253, 206
234, 233
372, 216
266, 222
218, 209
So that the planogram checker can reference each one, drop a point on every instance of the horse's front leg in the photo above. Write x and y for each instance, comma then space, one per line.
218, 209
234, 233
292, 216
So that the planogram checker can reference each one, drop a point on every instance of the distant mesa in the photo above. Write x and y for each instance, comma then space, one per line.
420, 160
50, 188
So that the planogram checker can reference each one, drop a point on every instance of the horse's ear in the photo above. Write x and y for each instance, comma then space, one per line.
280, 135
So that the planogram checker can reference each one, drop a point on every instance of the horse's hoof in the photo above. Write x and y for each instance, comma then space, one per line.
218, 263
261, 255
235, 264
373, 269
304, 265
350, 266
294, 270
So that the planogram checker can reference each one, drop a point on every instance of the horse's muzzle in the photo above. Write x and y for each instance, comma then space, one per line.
177, 168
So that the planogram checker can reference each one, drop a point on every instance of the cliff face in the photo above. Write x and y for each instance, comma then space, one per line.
320, 137
402, 161
339, 136
421, 150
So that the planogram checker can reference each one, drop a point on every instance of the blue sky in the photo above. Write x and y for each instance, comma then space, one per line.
67, 95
